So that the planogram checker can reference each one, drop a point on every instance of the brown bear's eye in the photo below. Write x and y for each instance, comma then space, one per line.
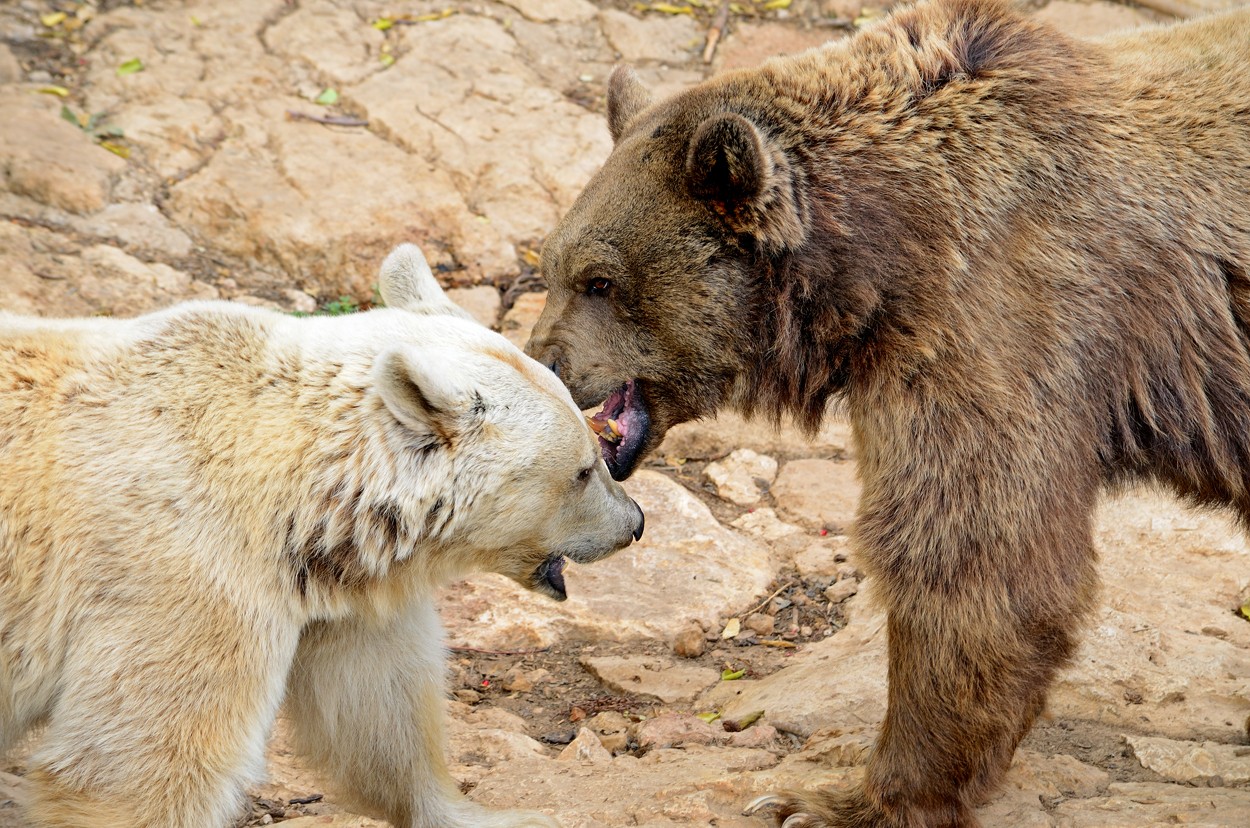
598, 286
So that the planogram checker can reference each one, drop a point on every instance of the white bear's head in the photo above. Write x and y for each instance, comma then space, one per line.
505, 470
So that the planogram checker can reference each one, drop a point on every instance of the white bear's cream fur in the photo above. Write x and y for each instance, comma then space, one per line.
211, 509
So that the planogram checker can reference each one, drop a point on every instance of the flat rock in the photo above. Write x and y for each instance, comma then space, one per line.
677, 574
676, 730
668, 787
821, 559
749, 44
45, 158
118, 284
738, 476
482, 302
764, 524
585, 747
10, 69
714, 438
1191, 762
1138, 804
1092, 19
519, 150
270, 195
1148, 661
332, 38
817, 493
554, 11
651, 37
836, 683
139, 228
520, 319
650, 676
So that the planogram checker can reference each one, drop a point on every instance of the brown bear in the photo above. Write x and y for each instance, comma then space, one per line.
1019, 260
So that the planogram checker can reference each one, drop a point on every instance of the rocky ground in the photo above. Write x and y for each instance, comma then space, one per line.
272, 151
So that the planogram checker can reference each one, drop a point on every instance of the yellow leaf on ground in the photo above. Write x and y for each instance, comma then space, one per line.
59, 91
732, 628
732, 675
53, 20
773, 5
708, 717
749, 719
426, 18
116, 149
666, 8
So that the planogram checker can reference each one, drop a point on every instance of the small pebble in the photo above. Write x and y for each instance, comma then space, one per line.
690, 642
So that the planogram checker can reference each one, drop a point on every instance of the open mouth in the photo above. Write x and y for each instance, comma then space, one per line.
549, 578
622, 426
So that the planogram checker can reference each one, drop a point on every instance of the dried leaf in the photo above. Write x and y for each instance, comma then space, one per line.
383, 23
328, 97
59, 91
386, 59
1245, 611
53, 20
777, 642
666, 8
732, 628
130, 67
708, 717
732, 675
195, 21
80, 121
773, 5
116, 149
749, 719
426, 18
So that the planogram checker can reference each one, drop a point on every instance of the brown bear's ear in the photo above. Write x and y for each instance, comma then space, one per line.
732, 165
626, 98
726, 160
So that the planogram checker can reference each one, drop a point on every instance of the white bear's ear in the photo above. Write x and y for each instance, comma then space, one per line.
406, 282
422, 394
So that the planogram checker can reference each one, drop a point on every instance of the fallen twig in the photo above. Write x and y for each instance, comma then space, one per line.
776, 592
498, 652
716, 31
330, 120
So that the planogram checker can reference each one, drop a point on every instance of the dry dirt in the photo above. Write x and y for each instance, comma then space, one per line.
469, 127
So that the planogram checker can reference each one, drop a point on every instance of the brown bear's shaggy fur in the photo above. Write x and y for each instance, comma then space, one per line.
1022, 262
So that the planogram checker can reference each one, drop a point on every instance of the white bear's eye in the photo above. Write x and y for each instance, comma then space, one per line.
584, 474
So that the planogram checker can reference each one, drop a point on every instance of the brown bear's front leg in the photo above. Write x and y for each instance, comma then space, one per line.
967, 679
986, 567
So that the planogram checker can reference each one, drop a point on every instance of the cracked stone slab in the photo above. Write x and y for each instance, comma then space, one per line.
660, 678
519, 150
674, 576
321, 208
51, 161
1193, 763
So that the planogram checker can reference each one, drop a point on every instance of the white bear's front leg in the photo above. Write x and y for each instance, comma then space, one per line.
367, 702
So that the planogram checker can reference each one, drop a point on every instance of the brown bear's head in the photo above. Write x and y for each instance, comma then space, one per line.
664, 275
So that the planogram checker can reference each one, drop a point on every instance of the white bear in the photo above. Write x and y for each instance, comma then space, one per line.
212, 509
